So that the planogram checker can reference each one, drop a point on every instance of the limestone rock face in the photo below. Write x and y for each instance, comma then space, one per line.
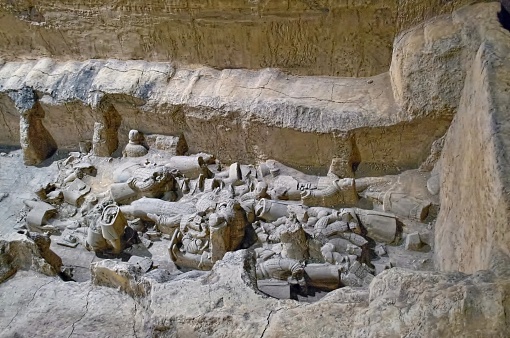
339, 38
472, 230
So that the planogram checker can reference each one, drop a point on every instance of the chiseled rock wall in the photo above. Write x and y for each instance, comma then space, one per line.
306, 37
473, 227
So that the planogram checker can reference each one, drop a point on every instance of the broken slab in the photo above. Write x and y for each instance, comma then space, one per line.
173, 145
26, 250
413, 242
75, 192
39, 214
125, 276
381, 226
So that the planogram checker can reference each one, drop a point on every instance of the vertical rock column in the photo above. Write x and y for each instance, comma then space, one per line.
36, 142
347, 159
105, 139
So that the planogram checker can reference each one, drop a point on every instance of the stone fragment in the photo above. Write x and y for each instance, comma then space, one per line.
112, 224
354, 238
55, 196
323, 276
381, 226
189, 166
174, 145
152, 235
405, 205
145, 263
358, 275
380, 266
413, 242
122, 275
275, 288
39, 214
336, 193
270, 210
380, 250
74, 193
144, 206
68, 239
294, 241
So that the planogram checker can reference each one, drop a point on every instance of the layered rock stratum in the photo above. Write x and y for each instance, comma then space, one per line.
305, 37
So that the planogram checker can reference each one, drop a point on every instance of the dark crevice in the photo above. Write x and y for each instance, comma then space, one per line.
504, 15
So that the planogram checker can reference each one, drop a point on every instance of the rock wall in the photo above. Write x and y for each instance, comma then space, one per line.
473, 226
430, 60
237, 115
306, 37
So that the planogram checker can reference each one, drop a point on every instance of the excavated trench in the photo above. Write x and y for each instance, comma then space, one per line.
188, 200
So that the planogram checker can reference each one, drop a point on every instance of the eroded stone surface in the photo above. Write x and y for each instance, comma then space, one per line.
244, 115
472, 230
398, 301
338, 38
34, 305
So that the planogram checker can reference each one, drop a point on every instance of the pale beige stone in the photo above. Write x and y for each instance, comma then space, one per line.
472, 229
226, 112
308, 38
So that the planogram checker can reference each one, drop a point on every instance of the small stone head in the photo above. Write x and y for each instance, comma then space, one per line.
135, 137
261, 189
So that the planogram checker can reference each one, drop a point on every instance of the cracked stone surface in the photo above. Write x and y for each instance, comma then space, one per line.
223, 303
38, 306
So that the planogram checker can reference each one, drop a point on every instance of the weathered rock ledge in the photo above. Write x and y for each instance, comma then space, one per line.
237, 114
